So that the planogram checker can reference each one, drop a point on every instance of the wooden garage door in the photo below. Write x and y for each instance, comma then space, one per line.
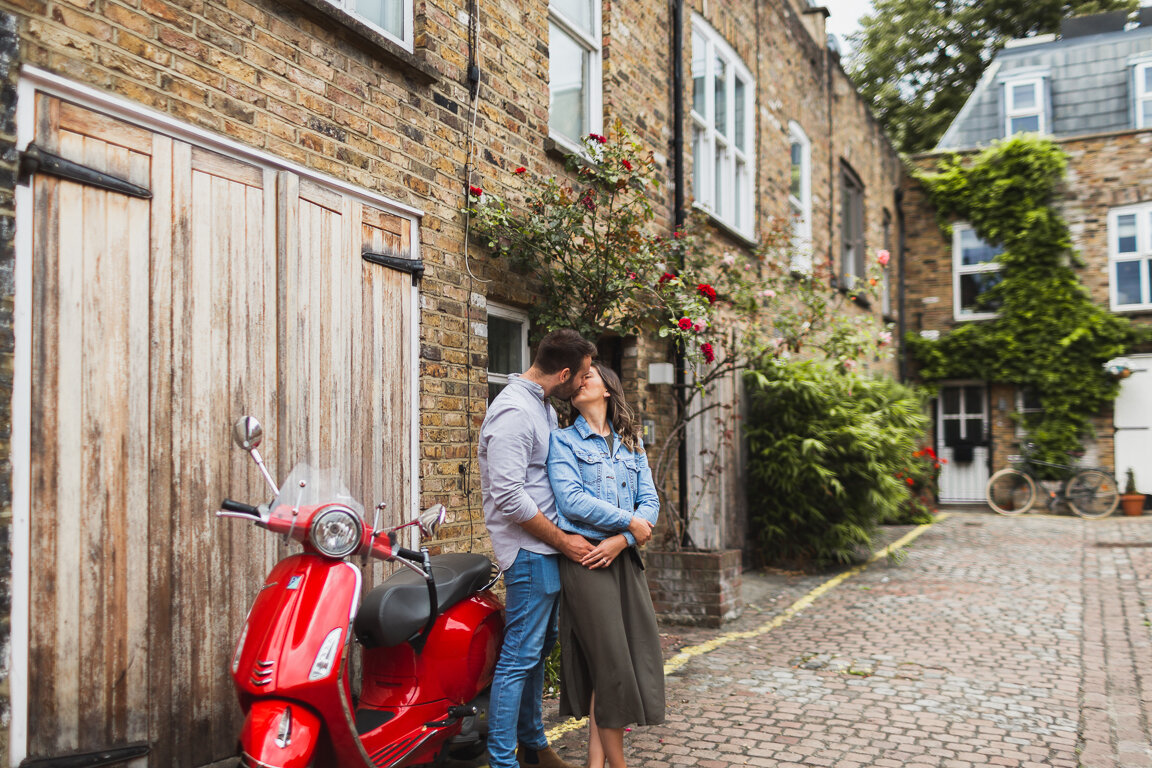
236, 289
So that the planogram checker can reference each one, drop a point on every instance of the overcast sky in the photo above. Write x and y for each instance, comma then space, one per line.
844, 16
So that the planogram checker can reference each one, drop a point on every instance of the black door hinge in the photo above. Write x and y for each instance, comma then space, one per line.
35, 160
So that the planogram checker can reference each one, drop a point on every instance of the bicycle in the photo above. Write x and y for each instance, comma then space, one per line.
1089, 492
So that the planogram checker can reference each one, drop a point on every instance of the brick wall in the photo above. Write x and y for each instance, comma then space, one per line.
1104, 172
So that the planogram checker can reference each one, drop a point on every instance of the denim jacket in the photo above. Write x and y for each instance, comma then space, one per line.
597, 494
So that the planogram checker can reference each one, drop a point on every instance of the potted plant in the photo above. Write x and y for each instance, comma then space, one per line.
1131, 501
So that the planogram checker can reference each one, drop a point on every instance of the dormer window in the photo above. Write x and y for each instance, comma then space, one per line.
1024, 106
1143, 92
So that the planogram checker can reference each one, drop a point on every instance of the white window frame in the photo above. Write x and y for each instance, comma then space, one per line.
404, 40
1140, 93
1011, 112
800, 208
1143, 254
958, 269
517, 316
593, 78
735, 207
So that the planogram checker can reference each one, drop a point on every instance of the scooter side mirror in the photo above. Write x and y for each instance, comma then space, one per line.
247, 433
431, 519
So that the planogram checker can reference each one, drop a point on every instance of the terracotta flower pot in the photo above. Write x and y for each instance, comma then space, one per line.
1132, 504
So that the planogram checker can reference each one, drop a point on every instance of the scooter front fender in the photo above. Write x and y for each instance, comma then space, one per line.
279, 734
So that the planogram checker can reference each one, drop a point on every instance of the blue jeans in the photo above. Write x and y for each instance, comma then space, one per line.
533, 602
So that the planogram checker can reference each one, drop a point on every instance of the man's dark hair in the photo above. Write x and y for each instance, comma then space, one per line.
562, 349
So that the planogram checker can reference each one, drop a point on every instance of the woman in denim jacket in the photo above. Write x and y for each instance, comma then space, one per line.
611, 666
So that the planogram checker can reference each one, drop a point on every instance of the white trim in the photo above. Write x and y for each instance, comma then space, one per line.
705, 165
137, 114
518, 316
1139, 93
404, 40
21, 446
1143, 215
1012, 113
957, 270
594, 82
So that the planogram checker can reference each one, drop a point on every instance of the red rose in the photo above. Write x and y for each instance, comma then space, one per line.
475, 191
707, 292
709, 354
633, 276
521, 169
677, 235
627, 164
665, 278
597, 138
685, 323
587, 201
910, 481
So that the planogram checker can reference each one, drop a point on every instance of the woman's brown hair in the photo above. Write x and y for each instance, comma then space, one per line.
620, 414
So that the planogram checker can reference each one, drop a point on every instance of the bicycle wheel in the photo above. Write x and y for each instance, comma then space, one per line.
1010, 492
1092, 493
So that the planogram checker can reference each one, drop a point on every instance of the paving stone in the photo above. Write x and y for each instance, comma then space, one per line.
1014, 642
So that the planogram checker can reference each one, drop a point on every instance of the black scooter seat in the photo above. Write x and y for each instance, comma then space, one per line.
396, 610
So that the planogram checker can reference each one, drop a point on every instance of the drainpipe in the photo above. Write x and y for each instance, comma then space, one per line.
901, 324
677, 55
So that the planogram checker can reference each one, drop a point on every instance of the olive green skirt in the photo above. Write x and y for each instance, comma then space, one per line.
610, 644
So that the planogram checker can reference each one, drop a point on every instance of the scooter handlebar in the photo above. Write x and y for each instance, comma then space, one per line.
239, 506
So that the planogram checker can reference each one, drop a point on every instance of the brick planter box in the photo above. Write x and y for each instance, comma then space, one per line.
700, 588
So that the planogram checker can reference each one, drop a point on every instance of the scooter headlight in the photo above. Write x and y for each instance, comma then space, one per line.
337, 532
326, 657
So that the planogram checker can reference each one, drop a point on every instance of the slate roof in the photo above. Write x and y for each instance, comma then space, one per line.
1089, 81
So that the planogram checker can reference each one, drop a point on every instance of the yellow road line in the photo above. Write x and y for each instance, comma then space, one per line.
687, 654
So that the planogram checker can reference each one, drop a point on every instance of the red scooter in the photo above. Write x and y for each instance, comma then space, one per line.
429, 636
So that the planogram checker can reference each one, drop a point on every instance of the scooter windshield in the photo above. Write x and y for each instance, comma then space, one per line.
307, 486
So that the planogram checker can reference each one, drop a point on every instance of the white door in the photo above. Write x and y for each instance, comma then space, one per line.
961, 430
1133, 422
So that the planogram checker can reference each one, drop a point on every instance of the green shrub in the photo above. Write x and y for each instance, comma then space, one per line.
825, 451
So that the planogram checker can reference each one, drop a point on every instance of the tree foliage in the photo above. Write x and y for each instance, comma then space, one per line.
917, 61
1048, 334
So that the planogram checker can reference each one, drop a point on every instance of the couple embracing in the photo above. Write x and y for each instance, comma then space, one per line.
565, 509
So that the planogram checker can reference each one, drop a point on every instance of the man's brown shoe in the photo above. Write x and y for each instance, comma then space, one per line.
540, 758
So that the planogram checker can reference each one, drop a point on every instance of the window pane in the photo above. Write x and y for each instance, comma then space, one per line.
973, 400
951, 399
699, 158
1023, 97
1146, 111
719, 170
699, 62
1029, 124
567, 64
1147, 78
974, 430
794, 187
1128, 282
579, 12
1030, 400
738, 107
505, 345
973, 250
493, 390
1126, 233
951, 432
387, 14
738, 195
973, 286
720, 88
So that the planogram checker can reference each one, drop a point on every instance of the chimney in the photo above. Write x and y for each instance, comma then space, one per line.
1095, 24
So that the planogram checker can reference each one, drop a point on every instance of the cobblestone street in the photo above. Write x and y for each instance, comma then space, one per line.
991, 641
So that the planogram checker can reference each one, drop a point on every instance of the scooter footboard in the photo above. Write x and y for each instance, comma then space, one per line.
279, 734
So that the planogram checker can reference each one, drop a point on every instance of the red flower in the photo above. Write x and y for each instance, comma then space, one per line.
597, 138
475, 191
685, 323
910, 481
633, 276
627, 164
587, 201
665, 278
677, 235
709, 354
521, 169
707, 292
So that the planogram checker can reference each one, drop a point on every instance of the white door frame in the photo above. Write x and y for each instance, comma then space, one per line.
980, 453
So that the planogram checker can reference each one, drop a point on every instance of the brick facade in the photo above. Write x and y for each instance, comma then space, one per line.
1104, 171
305, 82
